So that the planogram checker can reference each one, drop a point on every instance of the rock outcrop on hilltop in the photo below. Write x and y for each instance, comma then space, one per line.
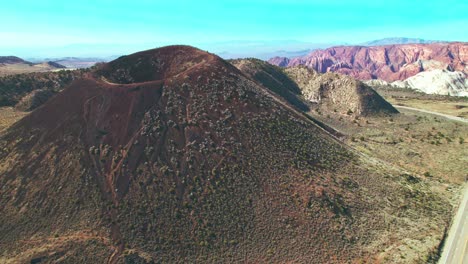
328, 92
173, 155
332, 92
279, 61
389, 63
441, 82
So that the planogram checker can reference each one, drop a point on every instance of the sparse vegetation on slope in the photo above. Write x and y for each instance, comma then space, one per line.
414, 141
273, 78
174, 155
333, 93
8, 116
13, 88
450, 105
425, 148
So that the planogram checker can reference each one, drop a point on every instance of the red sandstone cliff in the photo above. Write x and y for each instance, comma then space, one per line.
389, 63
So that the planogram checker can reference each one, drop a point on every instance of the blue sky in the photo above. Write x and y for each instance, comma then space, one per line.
104, 27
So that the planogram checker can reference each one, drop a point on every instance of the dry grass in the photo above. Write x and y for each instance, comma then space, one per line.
425, 147
459, 109
450, 105
61, 247
429, 146
8, 116
12, 69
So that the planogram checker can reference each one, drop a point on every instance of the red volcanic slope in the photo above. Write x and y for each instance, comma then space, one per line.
389, 63
168, 152
172, 156
109, 105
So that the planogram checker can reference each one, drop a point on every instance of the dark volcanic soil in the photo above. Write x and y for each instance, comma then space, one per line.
173, 155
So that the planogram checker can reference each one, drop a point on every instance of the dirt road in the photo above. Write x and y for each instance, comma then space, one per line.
456, 246
456, 118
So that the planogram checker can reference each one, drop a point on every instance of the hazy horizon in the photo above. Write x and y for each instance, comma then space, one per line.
233, 28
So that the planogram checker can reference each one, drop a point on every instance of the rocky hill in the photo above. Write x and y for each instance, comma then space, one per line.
441, 82
336, 93
280, 61
389, 63
174, 155
332, 93
273, 78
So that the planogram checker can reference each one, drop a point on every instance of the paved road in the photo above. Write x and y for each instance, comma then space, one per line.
456, 246
456, 118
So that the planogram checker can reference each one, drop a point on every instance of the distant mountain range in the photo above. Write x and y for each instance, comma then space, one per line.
10, 65
261, 49
388, 59
12, 60
378, 42
15, 65
398, 40
291, 48
390, 63
76, 62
